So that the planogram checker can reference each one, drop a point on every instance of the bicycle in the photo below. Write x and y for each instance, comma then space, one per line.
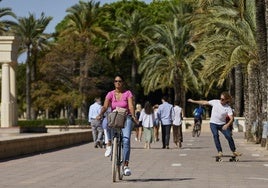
117, 154
197, 128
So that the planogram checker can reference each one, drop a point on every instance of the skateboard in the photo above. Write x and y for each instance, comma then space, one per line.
232, 158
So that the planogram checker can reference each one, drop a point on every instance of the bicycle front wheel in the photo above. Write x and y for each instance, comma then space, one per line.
193, 132
120, 166
114, 159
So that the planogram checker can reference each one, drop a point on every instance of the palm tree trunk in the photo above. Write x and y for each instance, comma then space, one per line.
238, 90
133, 78
261, 38
251, 104
28, 87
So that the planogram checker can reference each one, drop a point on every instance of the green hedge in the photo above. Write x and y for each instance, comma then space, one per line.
44, 122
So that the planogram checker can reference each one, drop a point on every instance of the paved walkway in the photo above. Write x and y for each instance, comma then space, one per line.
192, 166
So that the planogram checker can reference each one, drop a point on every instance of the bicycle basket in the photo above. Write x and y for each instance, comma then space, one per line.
117, 119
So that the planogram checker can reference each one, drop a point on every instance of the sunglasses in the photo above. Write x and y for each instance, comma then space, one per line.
117, 81
222, 99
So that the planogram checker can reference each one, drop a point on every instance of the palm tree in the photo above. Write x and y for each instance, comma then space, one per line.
6, 24
30, 30
261, 38
129, 37
165, 63
231, 41
83, 22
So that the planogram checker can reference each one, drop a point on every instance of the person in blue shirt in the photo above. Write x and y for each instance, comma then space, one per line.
198, 113
165, 114
96, 124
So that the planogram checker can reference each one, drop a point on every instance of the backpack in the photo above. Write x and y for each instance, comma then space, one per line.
198, 112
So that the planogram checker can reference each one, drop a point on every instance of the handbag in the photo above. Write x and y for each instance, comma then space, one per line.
117, 119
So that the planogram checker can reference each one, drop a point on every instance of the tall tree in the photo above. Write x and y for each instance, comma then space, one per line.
30, 30
261, 38
6, 24
165, 62
129, 37
82, 21
230, 40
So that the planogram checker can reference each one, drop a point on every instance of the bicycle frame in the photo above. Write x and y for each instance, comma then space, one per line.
197, 128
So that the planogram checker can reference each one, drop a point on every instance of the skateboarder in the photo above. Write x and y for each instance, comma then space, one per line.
220, 110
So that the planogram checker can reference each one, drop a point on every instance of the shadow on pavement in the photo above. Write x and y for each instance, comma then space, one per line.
159, 179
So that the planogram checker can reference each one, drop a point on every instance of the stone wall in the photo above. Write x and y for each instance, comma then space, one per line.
43, 142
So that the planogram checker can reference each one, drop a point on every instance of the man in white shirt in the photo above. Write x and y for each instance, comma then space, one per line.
96, 126
221, 111
177, 128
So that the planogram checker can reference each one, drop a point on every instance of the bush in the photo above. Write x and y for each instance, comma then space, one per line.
41, 123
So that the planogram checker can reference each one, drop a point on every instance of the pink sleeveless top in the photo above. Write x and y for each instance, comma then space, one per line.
122, 103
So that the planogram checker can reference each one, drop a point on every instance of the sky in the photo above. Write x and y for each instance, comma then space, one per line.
53, 8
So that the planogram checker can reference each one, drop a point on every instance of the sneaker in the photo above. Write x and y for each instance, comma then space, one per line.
180, 145
145, 145
99, 144
220, 154
236, 153
95, 145
108, 151
136, 139
127, 171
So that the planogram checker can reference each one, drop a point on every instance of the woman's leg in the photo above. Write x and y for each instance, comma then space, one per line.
126, 138
140, 133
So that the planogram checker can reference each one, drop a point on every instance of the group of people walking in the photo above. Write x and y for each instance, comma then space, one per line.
149, 119
165, 116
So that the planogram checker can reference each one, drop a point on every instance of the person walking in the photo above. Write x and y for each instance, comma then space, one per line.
177, 125
147, 121
138, 127
96, 124
107, 133
122, 98
220, 111
156, 124
165, 115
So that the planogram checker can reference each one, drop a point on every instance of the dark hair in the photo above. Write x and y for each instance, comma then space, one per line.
165, 98
177, 102
148, 109
120, 76
97, 99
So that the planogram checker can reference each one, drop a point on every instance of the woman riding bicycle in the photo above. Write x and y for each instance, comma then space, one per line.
119, 97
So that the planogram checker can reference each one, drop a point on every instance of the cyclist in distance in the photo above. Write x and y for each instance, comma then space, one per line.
198, 113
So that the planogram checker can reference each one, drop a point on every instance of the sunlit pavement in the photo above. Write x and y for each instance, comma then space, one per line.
191, 166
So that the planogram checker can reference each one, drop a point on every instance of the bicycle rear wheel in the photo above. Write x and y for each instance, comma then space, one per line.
114, 159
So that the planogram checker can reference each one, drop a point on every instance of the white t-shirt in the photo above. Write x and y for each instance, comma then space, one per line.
177, 116
219, 112
147, 119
